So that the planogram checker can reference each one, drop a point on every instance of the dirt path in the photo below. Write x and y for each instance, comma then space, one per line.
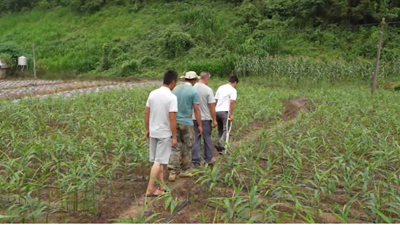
182, 188
43, 89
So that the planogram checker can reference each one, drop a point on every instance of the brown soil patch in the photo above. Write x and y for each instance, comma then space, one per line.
181, 189
294, 106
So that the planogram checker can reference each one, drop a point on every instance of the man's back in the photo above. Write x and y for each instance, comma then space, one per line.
206, 97
224, 94
161, 102
187, 96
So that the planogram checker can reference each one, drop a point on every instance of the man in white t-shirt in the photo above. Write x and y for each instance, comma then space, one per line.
160, 120
225, 99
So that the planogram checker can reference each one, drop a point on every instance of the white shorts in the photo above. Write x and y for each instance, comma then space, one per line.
160, 150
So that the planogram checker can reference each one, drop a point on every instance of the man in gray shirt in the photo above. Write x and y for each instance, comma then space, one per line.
208, 120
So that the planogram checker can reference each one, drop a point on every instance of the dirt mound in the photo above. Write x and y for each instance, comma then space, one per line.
294, 106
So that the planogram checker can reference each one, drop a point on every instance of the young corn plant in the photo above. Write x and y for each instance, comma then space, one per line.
343, 213
209, 177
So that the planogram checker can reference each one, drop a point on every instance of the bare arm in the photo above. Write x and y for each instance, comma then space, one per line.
172, 122
211, 106
231, 109
147, 122
197, 115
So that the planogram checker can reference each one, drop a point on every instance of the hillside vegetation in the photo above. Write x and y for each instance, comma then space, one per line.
143, 38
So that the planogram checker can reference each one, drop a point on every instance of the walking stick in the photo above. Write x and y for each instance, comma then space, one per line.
228, 128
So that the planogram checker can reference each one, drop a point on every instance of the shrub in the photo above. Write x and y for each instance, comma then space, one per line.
396, 87
221, 67
8, 59
129, 68
177, 43
86, 6
114, 53
203, 23
249, 12
11, 49
148, 61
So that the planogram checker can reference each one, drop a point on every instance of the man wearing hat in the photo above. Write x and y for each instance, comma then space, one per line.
180, 161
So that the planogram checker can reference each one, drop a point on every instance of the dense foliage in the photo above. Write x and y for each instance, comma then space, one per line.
316, 12
137, 37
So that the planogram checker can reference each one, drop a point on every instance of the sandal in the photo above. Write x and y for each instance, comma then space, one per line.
163, 190
154, 194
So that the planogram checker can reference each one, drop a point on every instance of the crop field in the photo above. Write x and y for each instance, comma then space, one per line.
327, 154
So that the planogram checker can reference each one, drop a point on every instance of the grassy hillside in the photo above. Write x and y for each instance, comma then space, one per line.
143, 40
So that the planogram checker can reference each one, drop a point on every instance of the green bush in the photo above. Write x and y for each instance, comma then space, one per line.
114, 54
84, 6
11, 49
177, 44
148, 61
8, 59
396, 87
249, 13
203, 23
220, 67
129, 68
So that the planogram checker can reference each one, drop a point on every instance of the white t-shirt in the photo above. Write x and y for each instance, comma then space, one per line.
161, 102
224, 95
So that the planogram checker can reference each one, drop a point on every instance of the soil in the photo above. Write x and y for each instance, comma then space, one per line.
294, 106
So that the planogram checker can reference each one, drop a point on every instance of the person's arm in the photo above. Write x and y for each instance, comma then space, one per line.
232, 104
197, 115
147, 122
216, 98
172, 122
231, 109
211, 106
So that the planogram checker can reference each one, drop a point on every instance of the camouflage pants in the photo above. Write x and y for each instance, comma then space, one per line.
181, 155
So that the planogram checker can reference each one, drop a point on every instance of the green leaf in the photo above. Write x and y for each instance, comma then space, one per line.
385, 218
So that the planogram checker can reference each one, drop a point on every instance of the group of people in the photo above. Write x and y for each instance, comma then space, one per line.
176, 119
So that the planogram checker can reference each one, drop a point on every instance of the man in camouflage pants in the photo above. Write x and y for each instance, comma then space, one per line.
180, 161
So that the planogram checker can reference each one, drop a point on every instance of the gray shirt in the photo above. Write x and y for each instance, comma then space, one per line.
206, 96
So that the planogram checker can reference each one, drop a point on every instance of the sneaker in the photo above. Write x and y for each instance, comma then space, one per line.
172, 176
196, 165
219, 149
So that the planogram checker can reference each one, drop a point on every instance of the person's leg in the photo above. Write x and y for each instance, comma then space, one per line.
223, 117
188, 140
220, 124
174, 164
154, 173
208, 149
196, 158
162, 156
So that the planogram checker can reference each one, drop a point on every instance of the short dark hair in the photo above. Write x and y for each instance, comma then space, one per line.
233, 79
170, 76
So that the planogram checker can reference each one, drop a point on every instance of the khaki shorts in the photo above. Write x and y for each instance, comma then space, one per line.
160, 150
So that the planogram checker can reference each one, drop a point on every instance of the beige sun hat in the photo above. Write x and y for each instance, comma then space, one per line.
190, 75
